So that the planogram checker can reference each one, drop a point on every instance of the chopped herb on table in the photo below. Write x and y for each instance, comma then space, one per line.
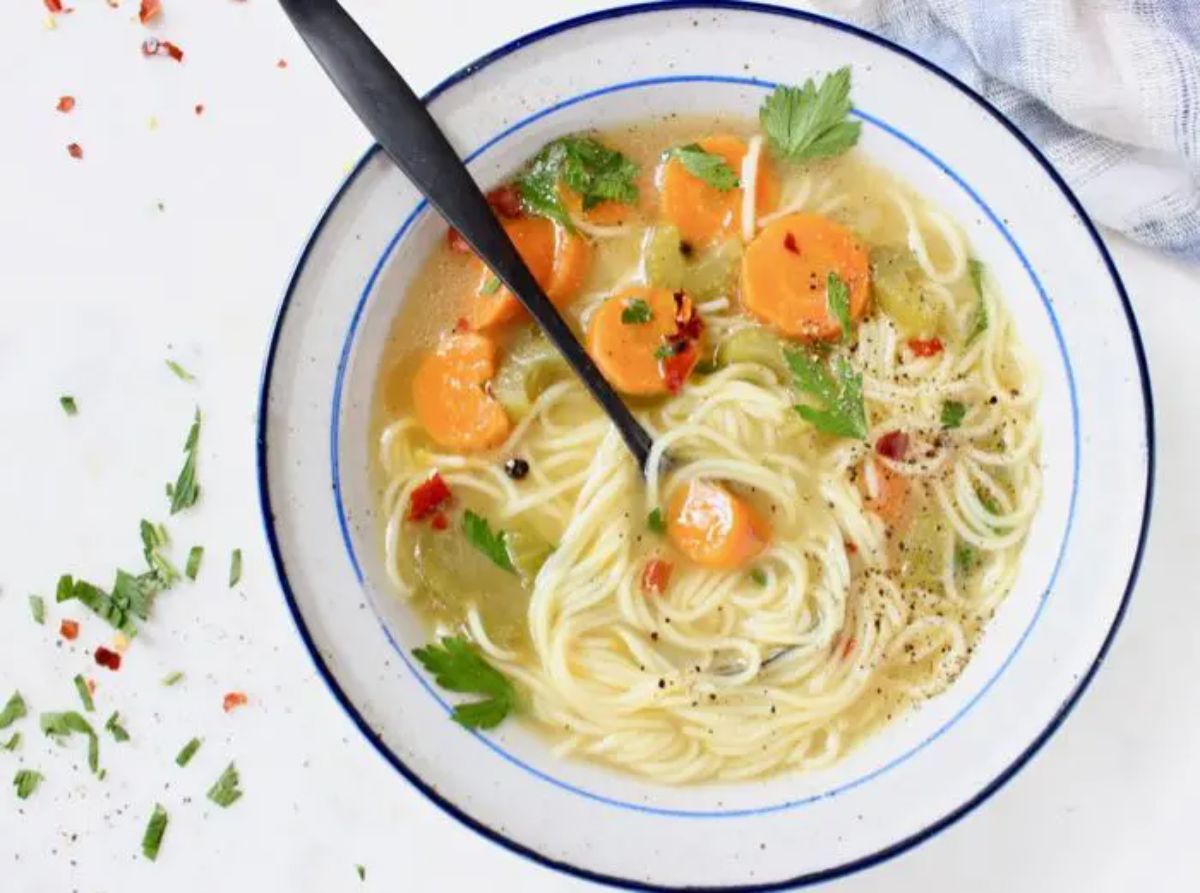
173, 678
13, 710
13, 742
37, 608
155, 828
235, 567
114, 727
68, 405
225, 791
180, 373
185, 491
458, 666
26, 781
187, 752
62, 725
195, 556
85, 693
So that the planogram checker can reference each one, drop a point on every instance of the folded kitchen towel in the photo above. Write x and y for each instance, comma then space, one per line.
1109, 90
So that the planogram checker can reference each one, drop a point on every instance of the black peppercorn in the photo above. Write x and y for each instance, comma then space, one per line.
516, 468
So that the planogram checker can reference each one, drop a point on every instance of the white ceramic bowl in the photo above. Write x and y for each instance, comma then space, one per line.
924, 771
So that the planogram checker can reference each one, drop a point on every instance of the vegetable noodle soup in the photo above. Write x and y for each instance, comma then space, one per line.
851, 430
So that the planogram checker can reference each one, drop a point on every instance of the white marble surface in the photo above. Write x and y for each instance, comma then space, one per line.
98, 286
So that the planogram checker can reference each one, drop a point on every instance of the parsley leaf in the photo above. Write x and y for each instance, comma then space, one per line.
68, 404
37, 608
225, 791
953, 413
26, 782
709, 167
656, 522
837, 296
589, 168
85, 693
809, 122
186, 491
979, 326
13, 710
235, 567
636, 313
113, 725
841, 410
180, 373
479, 534
458, 666
155, 828
195, 556
759, 576
60, 725
187, 752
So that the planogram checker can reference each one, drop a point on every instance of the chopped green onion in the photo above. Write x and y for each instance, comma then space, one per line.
189, 750
173, 678
235, 567
13, 742
85, 693
225, 791
37, 607
155, 829
180, 372
68, 405
26, 782
114, 726
193, 562
13, 710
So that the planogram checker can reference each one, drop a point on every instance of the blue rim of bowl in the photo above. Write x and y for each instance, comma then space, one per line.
826, 874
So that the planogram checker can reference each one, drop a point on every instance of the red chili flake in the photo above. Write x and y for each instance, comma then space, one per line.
677, 367
282, 63
428, 498
75, 151
851, 548
150, 9
656, 575
172, 50
505, 200
462, 325
152, 46
109, 659
892, 445
53, 5
456, 241
233, 700
440, 521
199, 108
848, 647
928, 347
69, 630
789, 242
65, 104
688, 323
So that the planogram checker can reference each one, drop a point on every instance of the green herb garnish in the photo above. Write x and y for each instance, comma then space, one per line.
85, 693
13, 710
26, 782
808, 122
68, 405
180, 373
979, 326
964, 558
37, 608
664, 351
953, 413
114, 727
492, 544
195, 556
636, 313
235, 567
225, 791
154, 537
656, 521
362, 872
189, 750
60, 725
759, 576
96, 600
839, 394
491, 286
709, 167
837, 297
458, 666
173, 678
13, 742
590, 169
186, 491
155, 829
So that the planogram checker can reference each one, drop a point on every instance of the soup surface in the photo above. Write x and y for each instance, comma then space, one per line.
850, 421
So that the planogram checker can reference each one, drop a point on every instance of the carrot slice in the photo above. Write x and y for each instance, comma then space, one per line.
785, 274
449, 397
713, 527
703, 213
607, 213
890, 502
558, 260
624, 350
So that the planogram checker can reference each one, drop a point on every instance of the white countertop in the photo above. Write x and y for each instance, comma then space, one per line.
99, 284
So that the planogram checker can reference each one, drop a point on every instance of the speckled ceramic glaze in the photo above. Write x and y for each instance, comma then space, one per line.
923, 771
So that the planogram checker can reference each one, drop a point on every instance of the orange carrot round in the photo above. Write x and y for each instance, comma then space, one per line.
785, 274
558, 260
449, 397
713, 527
703, 213
625, 349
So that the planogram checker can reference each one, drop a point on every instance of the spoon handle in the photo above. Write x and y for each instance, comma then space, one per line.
399, 120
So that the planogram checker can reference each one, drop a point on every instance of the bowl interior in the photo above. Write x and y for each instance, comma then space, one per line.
933, 762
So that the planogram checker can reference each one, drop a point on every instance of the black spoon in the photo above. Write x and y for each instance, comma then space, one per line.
412, 139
